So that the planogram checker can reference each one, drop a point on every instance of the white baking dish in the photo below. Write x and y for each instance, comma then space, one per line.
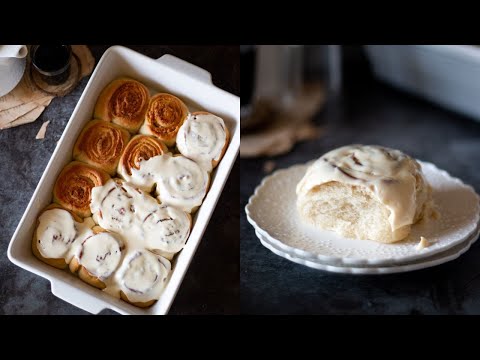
168, 73
448, 75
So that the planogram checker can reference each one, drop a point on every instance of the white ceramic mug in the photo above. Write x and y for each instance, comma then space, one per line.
8, 53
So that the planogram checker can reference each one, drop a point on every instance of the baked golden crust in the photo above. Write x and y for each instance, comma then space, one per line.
140, 147
101, 144
165, 114
139, 304
73, 187
124, 102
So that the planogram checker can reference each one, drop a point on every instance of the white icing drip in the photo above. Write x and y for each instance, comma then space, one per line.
59, 235
202, 138
180, 181
142, 276
135, 216
118, 207
144, 182
167, 230
101, 254
390, 174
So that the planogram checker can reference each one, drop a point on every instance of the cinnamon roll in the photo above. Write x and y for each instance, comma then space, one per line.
180, 182
73, 187
142, 278
98, 257
166, 230
124, 102
203, 137
165, 114
101, 144
119, 207
57, 234
140, 148
364, 192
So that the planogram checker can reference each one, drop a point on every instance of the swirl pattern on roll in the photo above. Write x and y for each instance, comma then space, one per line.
166, 230
116, 206
128, 256
203, 138
101, 254
101, 144
143, 276
140, 148
74, 185
119, 207
180, 182
58, 235
124, 102
55, 233
165, 114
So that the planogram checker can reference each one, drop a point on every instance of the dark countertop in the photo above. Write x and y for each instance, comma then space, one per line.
205, 289
370, 113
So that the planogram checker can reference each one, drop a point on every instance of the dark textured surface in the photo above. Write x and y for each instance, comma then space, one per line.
211, 283
370, 113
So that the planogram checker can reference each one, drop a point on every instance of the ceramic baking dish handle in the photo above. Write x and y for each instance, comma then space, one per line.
76, 297
186, 68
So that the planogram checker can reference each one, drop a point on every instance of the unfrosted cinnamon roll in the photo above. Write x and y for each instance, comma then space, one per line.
180, 182
142, 278
124, 102
101, 144
166, 230
140, 148
73, 187
203, 137
97, 258
57, 234
165, 114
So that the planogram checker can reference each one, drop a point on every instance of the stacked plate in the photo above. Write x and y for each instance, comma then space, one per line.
450, 231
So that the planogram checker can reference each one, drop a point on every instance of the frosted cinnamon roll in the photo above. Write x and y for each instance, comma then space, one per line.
142, 278
180, 182
364, 192
101, 144
97, 258
124, 102
140, 148
165, 114
73, 187
56, 235
166, 230
203, 137
117, 207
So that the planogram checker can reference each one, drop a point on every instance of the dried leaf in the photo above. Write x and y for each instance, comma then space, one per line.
43, 129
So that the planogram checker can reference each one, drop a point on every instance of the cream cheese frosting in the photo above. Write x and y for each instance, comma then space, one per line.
59, 235
142, 276
101, 254
180, 182
202, 138
144, 226
391, 175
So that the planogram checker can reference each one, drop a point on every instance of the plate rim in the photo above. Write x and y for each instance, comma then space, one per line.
373, 270
349, 261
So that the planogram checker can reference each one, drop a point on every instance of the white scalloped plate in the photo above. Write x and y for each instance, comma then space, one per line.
434, 260
273, 215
